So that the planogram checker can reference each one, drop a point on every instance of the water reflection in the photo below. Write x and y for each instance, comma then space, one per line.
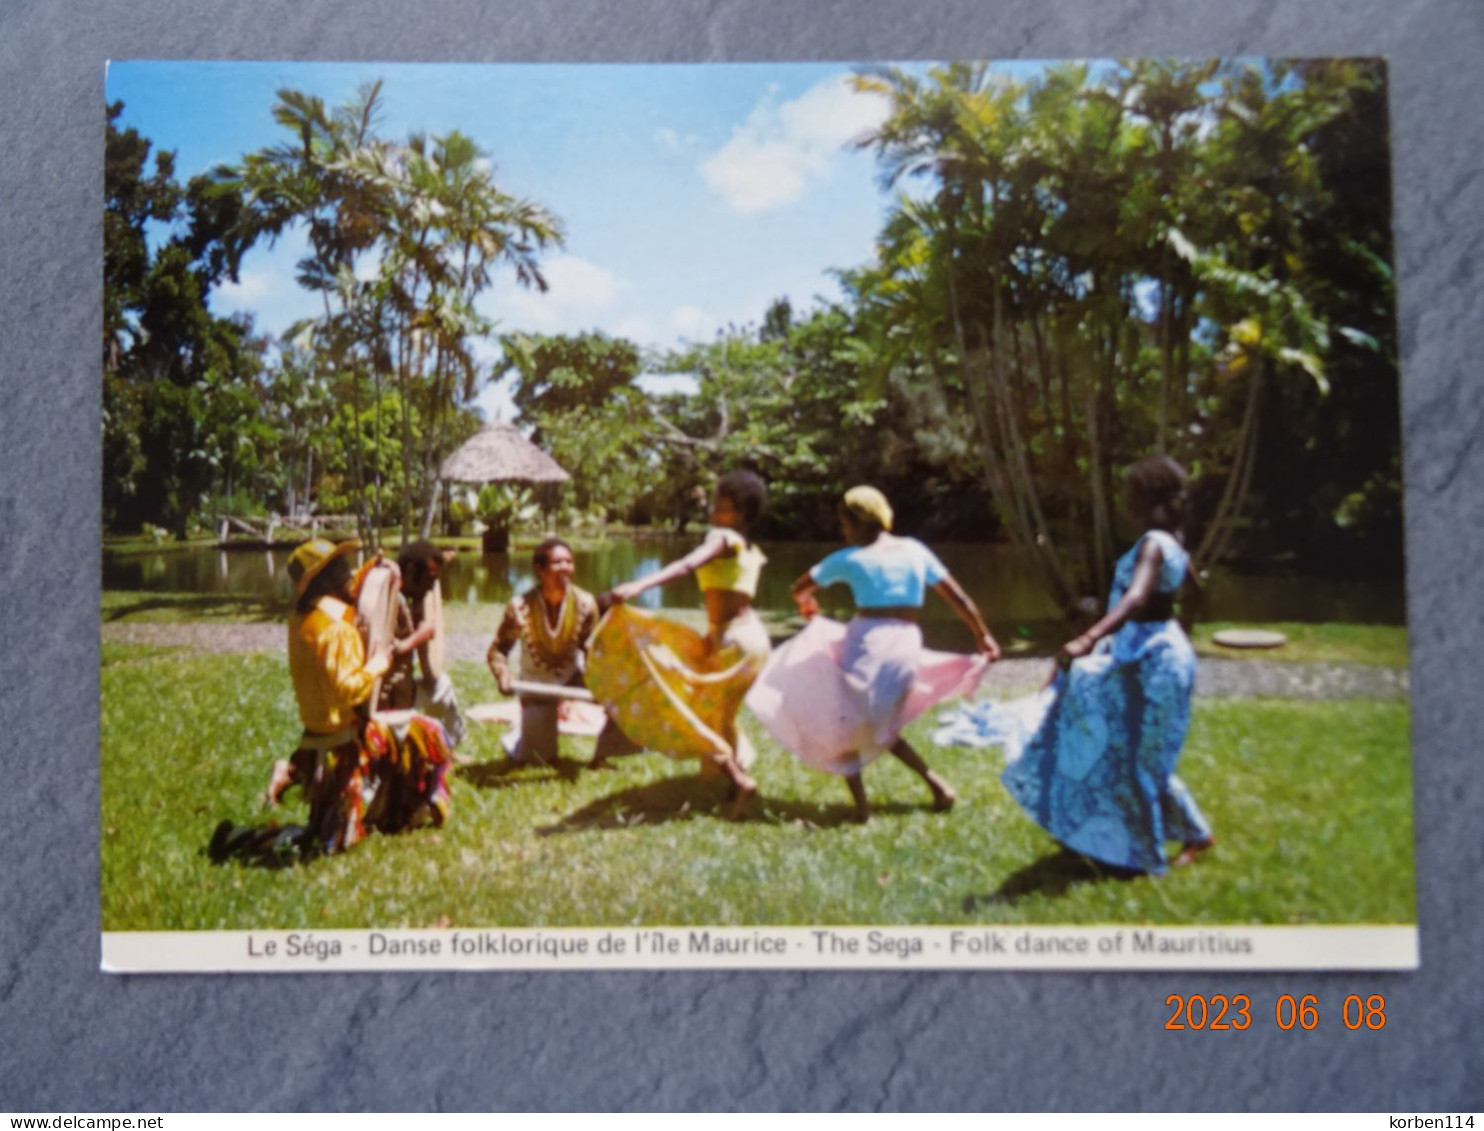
991, 573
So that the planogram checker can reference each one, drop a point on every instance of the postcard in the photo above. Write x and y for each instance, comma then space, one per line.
895, 515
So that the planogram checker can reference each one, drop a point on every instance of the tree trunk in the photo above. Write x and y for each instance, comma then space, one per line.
1229, 508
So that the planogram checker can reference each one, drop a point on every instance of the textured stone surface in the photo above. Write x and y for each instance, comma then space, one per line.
73, 1039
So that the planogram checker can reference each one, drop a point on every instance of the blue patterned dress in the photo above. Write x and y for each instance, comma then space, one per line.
1097, 770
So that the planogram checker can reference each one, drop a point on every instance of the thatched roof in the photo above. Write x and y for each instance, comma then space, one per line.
498, 453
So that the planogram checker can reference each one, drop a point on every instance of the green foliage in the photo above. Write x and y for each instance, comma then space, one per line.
1162, 256
1158, 255
403, 238
180, 386
578, 393
501, 504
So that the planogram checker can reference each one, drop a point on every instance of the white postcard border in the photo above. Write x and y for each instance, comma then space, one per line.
978, 947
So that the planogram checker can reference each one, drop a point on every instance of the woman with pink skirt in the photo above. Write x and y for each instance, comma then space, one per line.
838, 695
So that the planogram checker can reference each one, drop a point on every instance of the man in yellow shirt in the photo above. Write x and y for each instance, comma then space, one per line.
355, 771
327, 659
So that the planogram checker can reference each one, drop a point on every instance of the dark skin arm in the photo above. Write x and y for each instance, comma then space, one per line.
1140, 589
421, 636
968, 612
715, 546
803, 590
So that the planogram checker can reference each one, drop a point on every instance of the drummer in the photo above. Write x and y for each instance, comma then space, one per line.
552, 623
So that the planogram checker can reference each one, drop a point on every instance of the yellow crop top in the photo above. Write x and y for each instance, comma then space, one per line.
735, 573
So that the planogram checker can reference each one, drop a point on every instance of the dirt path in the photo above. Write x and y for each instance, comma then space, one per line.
1215, 678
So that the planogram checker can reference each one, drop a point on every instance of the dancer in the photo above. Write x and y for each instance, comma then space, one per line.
552, 623
879, 654
672, 690
1093, 762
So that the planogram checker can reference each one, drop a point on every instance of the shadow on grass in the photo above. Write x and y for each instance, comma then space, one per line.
686, 798
268, 845
502, 773
249, 609
1051, 876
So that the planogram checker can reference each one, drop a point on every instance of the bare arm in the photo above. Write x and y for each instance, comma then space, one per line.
804, 590
1140, 588
715, 546
968, 612
416, 639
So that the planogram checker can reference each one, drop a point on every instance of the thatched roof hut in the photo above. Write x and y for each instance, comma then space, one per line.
498, 453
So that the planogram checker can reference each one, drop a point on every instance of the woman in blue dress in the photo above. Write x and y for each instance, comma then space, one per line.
1098, 771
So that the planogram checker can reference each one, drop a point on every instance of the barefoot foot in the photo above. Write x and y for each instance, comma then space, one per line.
943, 795
743, 790
282, 778
1192, 850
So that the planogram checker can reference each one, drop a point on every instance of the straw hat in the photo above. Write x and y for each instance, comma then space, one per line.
869, 504
310, 558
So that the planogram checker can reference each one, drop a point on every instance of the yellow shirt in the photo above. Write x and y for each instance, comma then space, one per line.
737, 572
327, 662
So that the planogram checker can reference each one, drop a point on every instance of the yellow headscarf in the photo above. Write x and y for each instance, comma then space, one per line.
870, 505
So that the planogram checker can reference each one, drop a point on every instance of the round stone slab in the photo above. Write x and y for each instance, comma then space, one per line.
1249, 638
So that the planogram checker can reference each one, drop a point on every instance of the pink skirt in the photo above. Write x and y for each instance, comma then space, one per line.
837, 695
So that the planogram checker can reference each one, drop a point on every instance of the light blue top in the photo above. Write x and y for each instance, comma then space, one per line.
891, 572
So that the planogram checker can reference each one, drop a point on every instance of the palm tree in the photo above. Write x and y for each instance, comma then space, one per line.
313, 180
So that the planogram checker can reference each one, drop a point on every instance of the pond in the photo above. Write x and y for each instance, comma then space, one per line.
990, 572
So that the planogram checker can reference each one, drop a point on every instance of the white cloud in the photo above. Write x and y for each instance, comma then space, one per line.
579, 295
692, 323
250, 289
662, 384
682, 324
635, 328
832, 114
771, 158
368, 266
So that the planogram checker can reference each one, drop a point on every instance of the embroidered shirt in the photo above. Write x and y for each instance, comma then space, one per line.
549, 652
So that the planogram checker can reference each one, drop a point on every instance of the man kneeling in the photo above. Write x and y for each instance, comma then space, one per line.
357, 771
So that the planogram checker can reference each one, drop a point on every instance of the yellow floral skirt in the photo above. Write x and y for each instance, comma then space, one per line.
672, 690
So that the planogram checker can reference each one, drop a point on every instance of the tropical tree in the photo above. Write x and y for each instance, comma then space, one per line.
1106, 263
578, 395
403, 238
175, 377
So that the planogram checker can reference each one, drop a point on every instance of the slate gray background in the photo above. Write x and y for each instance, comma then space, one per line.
72, 1039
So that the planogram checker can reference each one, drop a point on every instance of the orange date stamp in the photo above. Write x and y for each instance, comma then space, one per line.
1212, 1012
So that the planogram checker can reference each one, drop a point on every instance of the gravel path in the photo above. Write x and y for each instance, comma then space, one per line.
1215, 678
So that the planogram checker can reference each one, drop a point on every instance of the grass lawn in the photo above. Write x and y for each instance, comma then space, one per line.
151, 607
1381, 644
1385, 645
1311, 803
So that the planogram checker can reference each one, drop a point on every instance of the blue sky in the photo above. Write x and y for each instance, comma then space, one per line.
692, 195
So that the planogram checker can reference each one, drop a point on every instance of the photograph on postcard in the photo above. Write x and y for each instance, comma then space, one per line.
905, 515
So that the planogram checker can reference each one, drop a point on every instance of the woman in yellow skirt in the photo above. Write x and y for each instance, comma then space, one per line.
670, 689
